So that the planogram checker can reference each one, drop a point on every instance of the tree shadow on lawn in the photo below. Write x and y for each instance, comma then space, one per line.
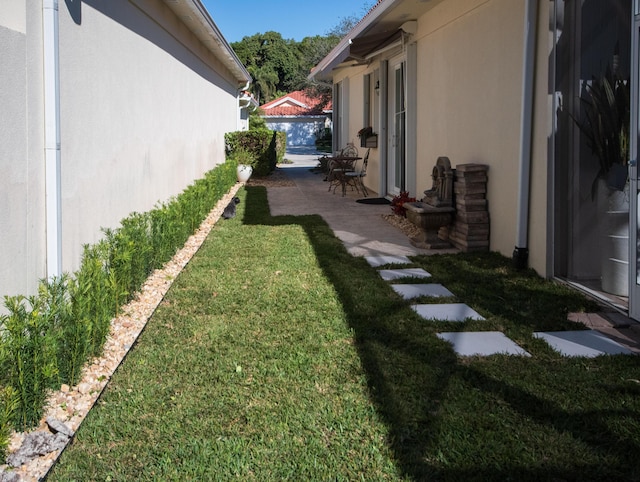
474, 419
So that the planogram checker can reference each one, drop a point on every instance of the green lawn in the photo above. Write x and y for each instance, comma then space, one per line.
277, 355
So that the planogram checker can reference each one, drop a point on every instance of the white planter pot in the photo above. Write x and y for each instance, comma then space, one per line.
244, 172
615, 249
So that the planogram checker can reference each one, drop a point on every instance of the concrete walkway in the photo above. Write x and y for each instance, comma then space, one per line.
360, 226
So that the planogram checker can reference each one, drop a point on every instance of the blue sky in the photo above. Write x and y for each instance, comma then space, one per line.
294, 19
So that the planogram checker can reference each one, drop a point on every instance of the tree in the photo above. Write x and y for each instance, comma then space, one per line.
279, 66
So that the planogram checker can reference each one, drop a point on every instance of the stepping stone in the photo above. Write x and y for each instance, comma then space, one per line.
447, 312
393, 274
408, 291
483, 343
376, 261
587, 343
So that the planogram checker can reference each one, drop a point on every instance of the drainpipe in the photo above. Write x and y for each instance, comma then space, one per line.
521, 251
239, 116
52, 137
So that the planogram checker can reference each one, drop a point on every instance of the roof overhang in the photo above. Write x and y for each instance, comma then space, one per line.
382, 28
197, 19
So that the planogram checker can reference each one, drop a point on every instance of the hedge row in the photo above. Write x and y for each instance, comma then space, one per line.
46, 339
261, 148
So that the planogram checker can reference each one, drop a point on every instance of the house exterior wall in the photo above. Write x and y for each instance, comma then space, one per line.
22, 227
469, 96
144, 106
469, 102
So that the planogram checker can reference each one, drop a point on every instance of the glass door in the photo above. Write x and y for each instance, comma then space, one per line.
396, 159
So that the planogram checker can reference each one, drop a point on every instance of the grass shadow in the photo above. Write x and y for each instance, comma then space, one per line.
492, 418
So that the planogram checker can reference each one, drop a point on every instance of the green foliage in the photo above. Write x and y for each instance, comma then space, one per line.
279, 66
29, 363
256, 120
262, 149
8, 407
46, 339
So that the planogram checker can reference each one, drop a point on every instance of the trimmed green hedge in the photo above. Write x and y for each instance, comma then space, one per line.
45, 340
266, 148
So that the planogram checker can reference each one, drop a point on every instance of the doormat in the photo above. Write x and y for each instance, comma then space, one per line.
373, 200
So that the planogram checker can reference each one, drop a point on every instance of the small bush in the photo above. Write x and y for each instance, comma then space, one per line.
266, 147
397, 203
8, 407
29, 356
46, 339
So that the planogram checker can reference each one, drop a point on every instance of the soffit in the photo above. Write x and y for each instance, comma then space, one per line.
382, 23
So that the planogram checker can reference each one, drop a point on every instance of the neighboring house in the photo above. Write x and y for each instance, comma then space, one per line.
107, 108
300, 116
247, 103
496, 82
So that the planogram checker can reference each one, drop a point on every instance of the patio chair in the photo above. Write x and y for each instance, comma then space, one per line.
355, 177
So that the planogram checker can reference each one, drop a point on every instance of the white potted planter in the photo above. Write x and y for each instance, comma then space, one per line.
244, 172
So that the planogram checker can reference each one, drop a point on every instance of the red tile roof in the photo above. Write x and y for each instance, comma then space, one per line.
296, 103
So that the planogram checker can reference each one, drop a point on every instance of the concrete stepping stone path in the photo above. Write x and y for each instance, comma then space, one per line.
376, 261
447, 312
482, 343
586, 343
408, 291
394, 274
464, 343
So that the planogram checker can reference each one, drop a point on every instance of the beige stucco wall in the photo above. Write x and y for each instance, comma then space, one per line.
22, 229
469, 90
144, 107
469, 77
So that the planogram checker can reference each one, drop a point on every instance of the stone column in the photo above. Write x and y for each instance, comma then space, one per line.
470, 229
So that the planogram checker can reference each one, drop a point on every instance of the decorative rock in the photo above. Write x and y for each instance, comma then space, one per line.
9, 476
57, 426
36, 444
84, 388
64, 388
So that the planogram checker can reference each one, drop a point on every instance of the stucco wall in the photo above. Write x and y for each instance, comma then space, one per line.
469, 78
469, 91
144, 107
22, 228
143, 110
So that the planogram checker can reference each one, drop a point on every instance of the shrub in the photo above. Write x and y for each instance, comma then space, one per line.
397, 204
266, 147
46, 339
8, 406
29, 356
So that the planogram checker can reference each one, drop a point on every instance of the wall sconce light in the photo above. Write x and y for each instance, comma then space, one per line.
377, 87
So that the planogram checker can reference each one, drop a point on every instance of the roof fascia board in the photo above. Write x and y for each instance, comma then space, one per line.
282, 101
209, 30
341, 51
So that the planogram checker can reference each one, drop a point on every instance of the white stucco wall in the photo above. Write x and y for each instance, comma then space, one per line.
143, 115
144, 106
22, 228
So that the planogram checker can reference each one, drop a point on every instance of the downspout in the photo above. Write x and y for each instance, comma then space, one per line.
239, 117
521, 251
51, 80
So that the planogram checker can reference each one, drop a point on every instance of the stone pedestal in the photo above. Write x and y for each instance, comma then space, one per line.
470, 229
429, 219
